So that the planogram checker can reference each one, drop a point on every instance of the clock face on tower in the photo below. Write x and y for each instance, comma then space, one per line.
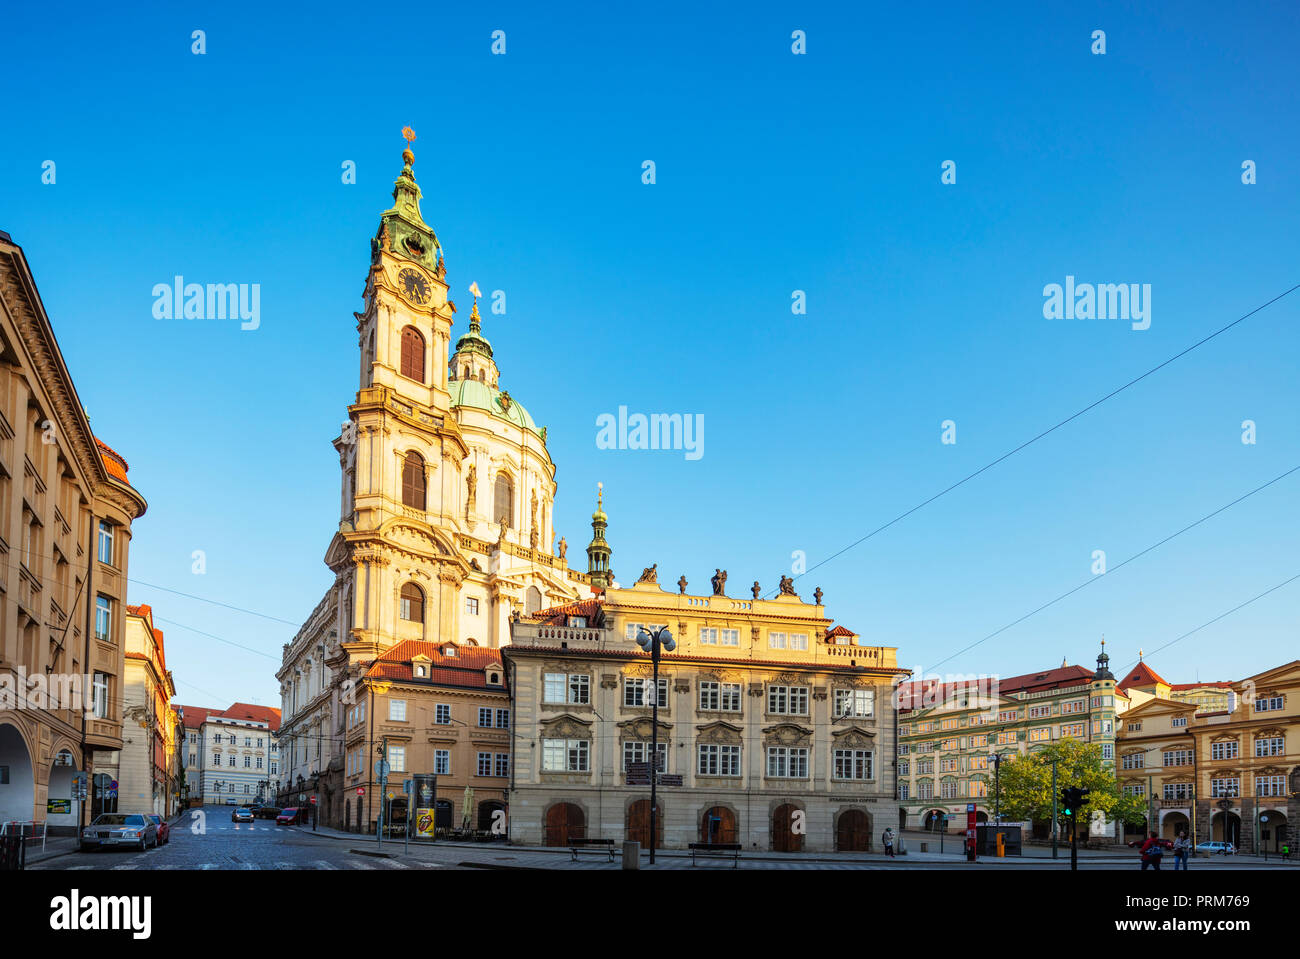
414, 286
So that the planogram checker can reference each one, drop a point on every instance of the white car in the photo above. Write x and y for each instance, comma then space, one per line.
1221, 848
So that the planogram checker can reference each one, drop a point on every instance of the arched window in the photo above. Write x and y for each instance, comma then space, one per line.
413, 481
465, 375
412, 603
412, 354
481, 375
503, 500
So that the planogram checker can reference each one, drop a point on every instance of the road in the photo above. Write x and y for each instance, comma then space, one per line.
207, 839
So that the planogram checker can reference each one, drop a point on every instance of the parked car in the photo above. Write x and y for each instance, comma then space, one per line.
241, 815
266, 812
120, 829
1221, 848
164, 830
288, 817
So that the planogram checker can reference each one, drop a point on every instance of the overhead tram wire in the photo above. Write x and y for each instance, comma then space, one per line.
1117, 566
1271, 589
1049, 430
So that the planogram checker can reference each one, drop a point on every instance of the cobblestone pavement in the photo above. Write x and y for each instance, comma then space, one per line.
207, 839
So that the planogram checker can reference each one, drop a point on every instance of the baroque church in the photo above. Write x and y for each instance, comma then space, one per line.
445, 526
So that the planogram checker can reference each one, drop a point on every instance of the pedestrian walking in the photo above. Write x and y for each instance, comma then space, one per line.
1182, 849
888, 840
1152, 850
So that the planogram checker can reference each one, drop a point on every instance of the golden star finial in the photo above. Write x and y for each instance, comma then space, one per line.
409, 135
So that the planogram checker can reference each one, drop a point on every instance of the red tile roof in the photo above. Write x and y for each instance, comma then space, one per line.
840, 631
465, 668
113, 461
1141, 675
195, 715
251, 713
1059, 678
556, 615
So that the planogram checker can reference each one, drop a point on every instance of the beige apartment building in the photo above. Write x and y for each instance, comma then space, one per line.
952, 737
436, 708
66, 509
779, 724
1228, 775
146, 766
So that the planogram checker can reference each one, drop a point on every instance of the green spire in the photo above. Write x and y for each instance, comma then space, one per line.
474, 341
402, 229
599, 552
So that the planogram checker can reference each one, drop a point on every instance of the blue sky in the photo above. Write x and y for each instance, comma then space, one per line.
775, 172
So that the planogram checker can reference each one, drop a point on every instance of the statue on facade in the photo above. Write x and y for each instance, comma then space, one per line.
471, 484
817, 595
681, 585
755, 590
649, 574
719, 580
787, 586
564, 547
505, 525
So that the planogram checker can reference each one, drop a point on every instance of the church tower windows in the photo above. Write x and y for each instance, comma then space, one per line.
412, 604
412, 354
503, 499
413, 491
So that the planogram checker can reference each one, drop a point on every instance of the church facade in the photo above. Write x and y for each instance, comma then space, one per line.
445, 525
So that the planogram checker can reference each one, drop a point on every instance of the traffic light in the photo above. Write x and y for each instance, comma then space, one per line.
1073, 797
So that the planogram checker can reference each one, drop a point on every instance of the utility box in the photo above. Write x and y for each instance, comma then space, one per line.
986, 838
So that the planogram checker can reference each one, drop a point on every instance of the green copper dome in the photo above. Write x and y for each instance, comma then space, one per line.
500, 404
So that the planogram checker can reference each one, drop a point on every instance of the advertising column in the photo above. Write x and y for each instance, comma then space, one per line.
425, 786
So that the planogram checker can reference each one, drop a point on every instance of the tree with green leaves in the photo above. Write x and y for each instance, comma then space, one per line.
1025, 783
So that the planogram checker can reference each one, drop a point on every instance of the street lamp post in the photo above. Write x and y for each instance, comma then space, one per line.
997, 789
652, 642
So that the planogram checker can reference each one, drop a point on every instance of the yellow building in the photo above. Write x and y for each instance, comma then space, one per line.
952, 735
1191, 764
433, 708
145, 769
66, 509
778, 725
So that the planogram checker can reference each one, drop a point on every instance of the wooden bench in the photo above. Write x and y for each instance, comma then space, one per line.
583, 845
719, 849
586, 845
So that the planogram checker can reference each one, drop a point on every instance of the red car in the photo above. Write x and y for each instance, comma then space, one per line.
164, 830
291, 816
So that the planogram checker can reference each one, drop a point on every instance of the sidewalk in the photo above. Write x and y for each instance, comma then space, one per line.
367, 841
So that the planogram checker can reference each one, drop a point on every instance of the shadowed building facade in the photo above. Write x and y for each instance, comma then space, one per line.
66, 509
779, 724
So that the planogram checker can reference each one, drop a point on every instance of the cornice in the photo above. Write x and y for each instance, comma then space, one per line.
20, 295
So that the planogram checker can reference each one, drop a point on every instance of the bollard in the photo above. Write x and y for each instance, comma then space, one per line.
631, 854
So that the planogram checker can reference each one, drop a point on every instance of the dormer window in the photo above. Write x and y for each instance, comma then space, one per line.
420, 671
494, 679
449, 651
580, 622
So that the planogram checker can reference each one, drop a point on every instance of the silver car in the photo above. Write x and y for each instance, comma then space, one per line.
120, 829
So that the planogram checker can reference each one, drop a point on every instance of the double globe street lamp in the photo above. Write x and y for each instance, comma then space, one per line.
652, 642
